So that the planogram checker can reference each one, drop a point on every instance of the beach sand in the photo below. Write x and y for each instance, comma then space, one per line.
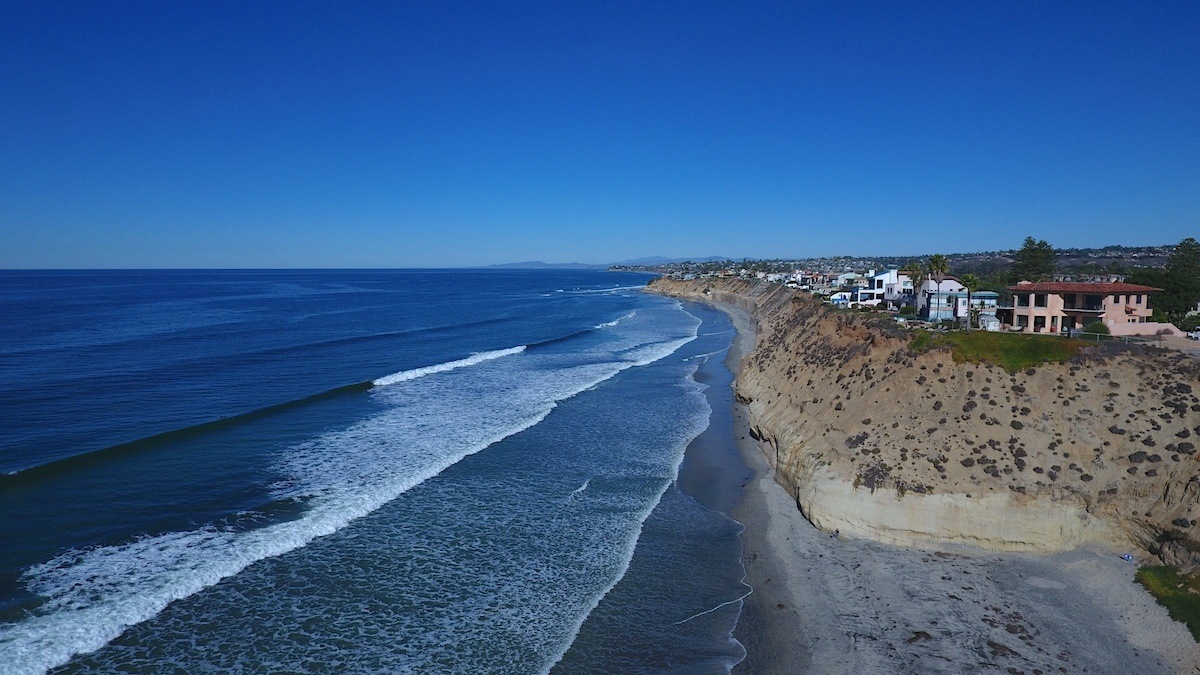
836, 605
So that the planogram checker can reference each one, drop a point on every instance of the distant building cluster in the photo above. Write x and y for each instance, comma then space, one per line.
1056, 307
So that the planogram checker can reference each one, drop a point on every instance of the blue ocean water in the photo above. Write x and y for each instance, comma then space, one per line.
397, 471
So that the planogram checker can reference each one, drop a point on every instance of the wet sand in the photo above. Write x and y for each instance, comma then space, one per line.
835, 605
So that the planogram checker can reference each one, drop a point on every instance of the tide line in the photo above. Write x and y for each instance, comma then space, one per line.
710, 611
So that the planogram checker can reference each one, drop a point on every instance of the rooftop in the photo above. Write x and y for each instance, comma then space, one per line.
1081, 287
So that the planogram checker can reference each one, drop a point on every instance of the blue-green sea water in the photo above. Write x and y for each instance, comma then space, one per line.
359, 471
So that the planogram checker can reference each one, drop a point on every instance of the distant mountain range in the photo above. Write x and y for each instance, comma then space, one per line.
636, 262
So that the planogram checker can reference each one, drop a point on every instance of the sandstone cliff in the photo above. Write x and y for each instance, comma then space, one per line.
876, 439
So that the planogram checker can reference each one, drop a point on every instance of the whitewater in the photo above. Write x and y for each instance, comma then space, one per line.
391, 478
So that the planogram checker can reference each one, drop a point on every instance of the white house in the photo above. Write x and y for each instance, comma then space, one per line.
888, 286
891, 286
936, 301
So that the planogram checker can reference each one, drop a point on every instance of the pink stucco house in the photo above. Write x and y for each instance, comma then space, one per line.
1053, 307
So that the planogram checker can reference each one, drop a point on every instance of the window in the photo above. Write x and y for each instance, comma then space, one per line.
1039, 324
1022, 300
1138, 299
1039, 300
1053, 323
1022, 320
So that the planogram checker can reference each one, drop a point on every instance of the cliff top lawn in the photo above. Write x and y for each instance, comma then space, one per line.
1011, 351
1180, 594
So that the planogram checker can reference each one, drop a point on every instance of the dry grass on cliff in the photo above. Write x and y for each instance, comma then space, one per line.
1009, 351
1180, 594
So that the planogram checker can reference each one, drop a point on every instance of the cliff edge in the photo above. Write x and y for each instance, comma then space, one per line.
879, 440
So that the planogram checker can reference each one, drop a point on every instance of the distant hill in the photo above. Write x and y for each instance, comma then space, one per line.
539, 265
636, 262
1108, 260
661, 260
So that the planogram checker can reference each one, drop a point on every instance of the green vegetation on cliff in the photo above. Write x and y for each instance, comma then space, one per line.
1012, 352
1180, 594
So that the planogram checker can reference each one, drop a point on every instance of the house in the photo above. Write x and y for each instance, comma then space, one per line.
870, 289
961, 304
935, 300
890, 286
981, 303
989, 322
1057, 306
841, 298
898, 290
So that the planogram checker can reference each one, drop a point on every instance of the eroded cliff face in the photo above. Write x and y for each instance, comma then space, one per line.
875, 439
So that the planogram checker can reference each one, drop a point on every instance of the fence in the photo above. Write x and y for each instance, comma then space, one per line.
1104, 337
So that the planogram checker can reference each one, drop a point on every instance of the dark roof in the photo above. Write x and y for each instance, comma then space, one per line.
1082, 287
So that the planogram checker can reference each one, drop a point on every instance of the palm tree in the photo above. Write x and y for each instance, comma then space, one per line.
938, 267
971, 282
916, 272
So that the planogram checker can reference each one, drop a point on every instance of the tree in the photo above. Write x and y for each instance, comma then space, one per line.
938, 267
971, 282
1034, 262
1183, 279
915, 271
1180, 281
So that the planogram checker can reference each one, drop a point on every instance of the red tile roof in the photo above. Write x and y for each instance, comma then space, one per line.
1082, 287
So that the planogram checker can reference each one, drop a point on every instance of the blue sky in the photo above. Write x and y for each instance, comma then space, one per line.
208, 134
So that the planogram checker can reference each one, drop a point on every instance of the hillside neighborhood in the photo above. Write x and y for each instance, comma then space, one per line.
1038, 300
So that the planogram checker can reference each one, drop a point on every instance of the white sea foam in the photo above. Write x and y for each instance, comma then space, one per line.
581, 488
614, 322
614, 290
704, 357
433, 417
406, 375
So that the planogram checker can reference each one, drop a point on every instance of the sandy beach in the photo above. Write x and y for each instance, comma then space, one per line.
822, 604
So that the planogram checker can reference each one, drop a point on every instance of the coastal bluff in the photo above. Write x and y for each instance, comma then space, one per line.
874, 438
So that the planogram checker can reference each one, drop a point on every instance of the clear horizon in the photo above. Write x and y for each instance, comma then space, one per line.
465, 134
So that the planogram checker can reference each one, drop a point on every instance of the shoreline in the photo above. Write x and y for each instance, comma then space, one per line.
826, 605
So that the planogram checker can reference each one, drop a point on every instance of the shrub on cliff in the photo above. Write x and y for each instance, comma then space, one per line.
921, 341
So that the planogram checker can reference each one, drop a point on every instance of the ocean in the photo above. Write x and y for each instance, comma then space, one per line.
362, 471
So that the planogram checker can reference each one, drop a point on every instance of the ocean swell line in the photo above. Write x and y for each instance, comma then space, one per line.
22, 476
406, 375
